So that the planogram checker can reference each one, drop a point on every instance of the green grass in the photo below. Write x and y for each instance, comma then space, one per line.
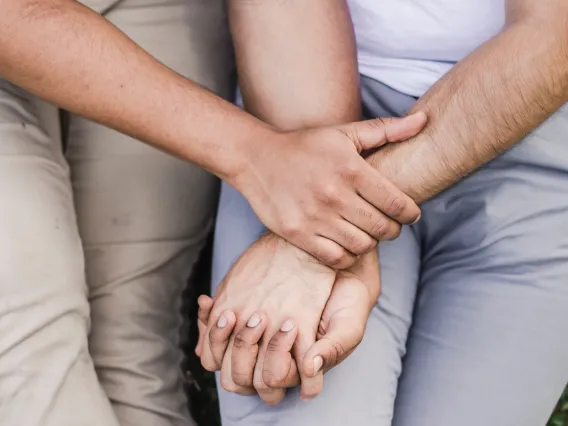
560, 416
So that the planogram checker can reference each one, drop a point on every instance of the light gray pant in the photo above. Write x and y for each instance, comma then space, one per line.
130, 216
472, 325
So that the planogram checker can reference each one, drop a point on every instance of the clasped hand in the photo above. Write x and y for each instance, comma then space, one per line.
314, 189
280, 318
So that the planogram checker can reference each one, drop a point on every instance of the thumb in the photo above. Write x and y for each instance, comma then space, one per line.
340, 340
377, 132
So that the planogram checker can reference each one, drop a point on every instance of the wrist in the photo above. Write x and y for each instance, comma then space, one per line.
296, 258
366, 270
239, 172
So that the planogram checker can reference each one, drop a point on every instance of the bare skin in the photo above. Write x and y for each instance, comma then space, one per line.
305, 301
67, 54
486, 104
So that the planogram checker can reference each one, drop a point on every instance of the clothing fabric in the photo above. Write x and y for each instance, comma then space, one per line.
469, 327
409, 44
97, 243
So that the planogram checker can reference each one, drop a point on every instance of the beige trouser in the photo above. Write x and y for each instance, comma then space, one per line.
97, 243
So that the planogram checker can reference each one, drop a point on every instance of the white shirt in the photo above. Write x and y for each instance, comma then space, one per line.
409, 44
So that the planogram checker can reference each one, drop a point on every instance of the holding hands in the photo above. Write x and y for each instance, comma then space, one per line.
280, 319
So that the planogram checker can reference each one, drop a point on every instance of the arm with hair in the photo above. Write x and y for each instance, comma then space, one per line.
487, 102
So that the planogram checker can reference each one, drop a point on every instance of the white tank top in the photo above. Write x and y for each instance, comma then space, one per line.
409, 44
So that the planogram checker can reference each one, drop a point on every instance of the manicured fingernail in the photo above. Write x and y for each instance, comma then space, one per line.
306, 398
287, 326
318, 363
222, 322
253, 321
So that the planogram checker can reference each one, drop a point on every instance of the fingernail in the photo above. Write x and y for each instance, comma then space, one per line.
318, 362
417, 219
287, 326
253, 321
222, 322
306, 398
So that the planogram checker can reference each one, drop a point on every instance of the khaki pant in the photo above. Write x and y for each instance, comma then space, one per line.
97, 243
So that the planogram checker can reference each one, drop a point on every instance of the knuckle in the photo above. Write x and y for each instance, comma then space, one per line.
240, 341
276, 380
364, 245
335, 354
311, 214
217, 338
241, 379
379, 122
350, 171
395, 207
273, 346
334, 259
209, 365
391, 231
271, 380
291, 228
260, 386
379, 228
331, 194
228, 384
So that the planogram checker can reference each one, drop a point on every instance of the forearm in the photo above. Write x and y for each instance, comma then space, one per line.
296, 61
486, 104
70, 56
297, 67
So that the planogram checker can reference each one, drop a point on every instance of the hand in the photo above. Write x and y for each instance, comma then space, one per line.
313, 188
271, 284
340, 331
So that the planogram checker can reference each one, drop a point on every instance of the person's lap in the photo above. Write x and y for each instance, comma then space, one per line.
487, 266
144, 217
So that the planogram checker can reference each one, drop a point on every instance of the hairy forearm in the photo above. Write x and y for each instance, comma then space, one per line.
486, 104
72, 57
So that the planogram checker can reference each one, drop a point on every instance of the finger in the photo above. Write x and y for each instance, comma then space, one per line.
329, 252
270, 396
245, 350
375, 133
340, 340
219, 336
372, 222
205, 304
387, 198
347, 234
279, 369
226, 376
341, 335
311, 385
216, 339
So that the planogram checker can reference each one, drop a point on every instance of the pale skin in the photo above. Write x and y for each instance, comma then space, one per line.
67, 54
486, 104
